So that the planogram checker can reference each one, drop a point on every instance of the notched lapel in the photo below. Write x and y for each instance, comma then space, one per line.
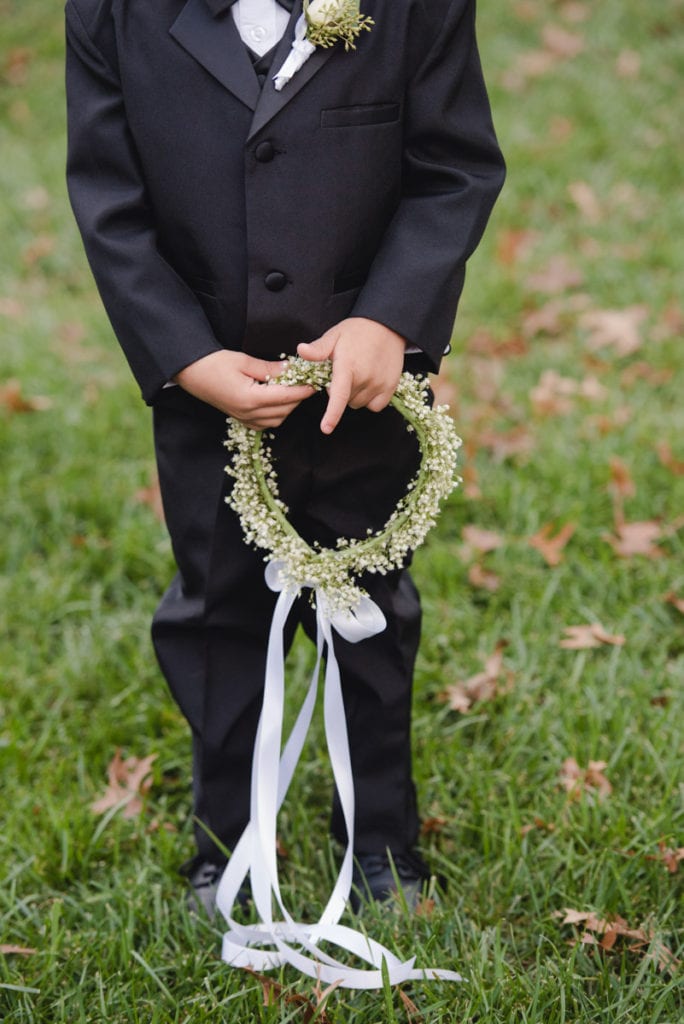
270, 101
215, 43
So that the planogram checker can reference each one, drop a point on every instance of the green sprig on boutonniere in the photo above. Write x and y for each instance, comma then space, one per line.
322, 23
332, 21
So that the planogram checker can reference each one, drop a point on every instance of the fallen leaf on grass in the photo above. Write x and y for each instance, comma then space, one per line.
482, 343
621, 480
38, 249
16, 64
586, 201
616, 328
668, 460
274, 993
551, 547
637, 538
670, 858
513, 244
483, 579
479, 540
576, 780
628, 64
553, 395
13, 400
425, 907
605, 423
483, 686
11, 308
471, 487
151, 496
643, 940
675, 601
642, 370
412, 1012
580, 638
6, 950
505, 444
540, 824
557, 276
129, 781
433, 826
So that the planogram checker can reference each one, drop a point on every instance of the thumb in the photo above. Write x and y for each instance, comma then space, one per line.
262, 369
322, 348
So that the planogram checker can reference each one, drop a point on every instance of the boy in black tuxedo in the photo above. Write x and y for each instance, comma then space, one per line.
226, 222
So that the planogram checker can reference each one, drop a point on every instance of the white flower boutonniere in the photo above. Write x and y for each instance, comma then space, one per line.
322, 23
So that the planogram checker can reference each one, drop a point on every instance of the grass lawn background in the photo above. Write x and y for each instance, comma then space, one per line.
577, 275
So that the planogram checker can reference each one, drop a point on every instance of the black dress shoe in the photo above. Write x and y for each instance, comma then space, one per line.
380, 877
203, 878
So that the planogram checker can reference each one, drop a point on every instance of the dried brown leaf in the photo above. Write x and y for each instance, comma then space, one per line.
549, 546
9, 950
558, 276
471, 487
274, 993
16, 64
579, 638
482, 578
576, 781
38, 249
484, 344
669, 857
479, 540
586, 201
562, 43
129, 781
14, 401
483, 686
632, 539
412, 1012
668, 460
641, 370
513, 244
11, 308
506, 444
151, 496
433, 826
616, 328
675, 601
425, 907
628, 64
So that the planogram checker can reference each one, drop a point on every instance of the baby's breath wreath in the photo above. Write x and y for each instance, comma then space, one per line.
335, 571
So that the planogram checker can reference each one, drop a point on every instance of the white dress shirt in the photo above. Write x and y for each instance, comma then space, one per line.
261, 23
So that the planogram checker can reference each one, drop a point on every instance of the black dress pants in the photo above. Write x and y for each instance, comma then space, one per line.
210, 631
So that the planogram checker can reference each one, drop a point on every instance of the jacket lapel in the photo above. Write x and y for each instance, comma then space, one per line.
271, 102
215, 43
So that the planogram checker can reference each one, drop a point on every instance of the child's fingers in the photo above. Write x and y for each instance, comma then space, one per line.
339, 394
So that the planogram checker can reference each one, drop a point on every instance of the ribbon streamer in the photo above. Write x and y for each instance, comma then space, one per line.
255, 852
299, 53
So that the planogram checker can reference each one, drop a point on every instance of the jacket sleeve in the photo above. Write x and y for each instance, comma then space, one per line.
453, 172
155, 315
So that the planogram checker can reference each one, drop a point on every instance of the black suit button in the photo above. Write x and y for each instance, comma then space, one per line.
275, 281
264, 152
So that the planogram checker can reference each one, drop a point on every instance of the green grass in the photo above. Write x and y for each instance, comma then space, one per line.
83, 563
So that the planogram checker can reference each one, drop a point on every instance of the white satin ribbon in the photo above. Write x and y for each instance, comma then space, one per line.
272, 773
299, 53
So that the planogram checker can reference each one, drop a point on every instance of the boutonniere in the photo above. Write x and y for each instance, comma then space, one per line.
322, 23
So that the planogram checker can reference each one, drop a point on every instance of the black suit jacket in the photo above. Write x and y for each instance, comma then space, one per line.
218, 215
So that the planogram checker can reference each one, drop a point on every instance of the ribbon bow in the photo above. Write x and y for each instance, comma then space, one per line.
272, 773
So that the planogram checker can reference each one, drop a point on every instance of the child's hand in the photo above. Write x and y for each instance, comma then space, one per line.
367, 360
238, 385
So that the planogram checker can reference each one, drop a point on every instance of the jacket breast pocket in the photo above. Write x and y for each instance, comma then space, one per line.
362, 114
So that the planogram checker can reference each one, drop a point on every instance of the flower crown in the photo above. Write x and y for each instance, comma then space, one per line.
335, 571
